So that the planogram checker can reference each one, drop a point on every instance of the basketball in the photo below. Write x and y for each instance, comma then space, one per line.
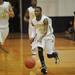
29, 63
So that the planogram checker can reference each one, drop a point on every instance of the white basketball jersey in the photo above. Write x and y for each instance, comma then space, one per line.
39, 26
31, 13
4, 16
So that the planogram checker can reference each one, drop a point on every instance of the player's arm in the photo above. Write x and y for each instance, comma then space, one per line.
45, 22
26, 16
11, 12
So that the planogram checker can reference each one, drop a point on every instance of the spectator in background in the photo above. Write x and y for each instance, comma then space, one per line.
70, 33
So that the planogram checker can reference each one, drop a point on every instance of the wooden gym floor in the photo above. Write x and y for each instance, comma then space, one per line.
19, 49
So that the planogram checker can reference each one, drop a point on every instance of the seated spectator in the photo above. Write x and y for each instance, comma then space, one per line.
70, 33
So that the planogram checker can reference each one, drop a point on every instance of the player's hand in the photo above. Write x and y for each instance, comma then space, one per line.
26, 20
31, 40
11, 14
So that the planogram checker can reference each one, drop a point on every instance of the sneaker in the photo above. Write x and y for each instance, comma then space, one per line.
54, 55
44, 70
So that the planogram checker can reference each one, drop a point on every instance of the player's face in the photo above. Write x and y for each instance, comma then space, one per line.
34, 2
38, 12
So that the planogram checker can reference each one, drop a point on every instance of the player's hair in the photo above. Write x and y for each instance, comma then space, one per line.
39, 8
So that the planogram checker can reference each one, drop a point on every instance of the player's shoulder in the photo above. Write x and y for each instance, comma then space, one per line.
29, 8
46, 18
6, 3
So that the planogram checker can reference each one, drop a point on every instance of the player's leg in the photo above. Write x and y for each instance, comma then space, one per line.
39, 47
50, 45
3, 35
41, 57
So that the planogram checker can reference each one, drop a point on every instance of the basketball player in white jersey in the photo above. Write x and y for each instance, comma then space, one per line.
44, 37
5, 12
29, 15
